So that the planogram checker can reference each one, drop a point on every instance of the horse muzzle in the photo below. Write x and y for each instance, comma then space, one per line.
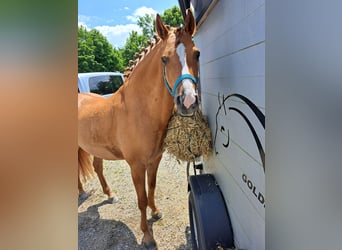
186, 107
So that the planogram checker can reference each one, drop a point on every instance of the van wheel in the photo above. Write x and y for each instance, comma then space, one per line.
209, 220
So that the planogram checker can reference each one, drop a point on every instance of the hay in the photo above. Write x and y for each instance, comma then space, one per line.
188, 137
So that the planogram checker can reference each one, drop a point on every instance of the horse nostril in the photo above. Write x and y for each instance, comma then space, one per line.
178, 100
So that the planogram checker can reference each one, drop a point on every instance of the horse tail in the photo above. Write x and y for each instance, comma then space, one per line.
85, 168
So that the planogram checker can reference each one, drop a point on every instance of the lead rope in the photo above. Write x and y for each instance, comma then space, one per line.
165, 81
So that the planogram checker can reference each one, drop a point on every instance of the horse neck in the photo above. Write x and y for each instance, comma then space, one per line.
145, 89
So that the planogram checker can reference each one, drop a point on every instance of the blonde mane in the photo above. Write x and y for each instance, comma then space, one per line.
144, 51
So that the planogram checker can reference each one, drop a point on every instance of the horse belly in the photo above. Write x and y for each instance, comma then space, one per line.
106, 153
98, 140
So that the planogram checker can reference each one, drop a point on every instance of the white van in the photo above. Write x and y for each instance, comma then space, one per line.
102, 83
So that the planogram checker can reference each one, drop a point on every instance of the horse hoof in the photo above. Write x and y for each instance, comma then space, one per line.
157, 216
83, 196
150, 245
113, 200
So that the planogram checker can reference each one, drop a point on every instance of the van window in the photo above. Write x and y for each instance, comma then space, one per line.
104, 85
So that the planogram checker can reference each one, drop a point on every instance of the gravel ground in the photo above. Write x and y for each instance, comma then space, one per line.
116, 226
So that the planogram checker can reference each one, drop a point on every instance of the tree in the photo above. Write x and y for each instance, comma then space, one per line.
85, 51
95, 53
173, 17
146, 23
135, 42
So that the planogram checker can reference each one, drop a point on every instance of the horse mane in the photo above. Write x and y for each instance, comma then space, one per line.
144, 51
139, 56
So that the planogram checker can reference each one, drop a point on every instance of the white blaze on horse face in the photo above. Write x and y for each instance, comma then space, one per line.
189, 92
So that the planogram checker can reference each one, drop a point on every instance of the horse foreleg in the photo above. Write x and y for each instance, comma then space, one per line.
98, 166
151, 179
138, 175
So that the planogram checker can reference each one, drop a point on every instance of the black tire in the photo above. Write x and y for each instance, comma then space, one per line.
193, 224
209, 220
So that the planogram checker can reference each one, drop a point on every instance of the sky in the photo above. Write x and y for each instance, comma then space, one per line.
115, 19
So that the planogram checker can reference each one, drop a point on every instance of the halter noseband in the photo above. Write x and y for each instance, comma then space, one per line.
178, 81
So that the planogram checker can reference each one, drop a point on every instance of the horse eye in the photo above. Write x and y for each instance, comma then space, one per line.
164, 59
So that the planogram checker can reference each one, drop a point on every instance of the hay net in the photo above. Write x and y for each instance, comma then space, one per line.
188, 138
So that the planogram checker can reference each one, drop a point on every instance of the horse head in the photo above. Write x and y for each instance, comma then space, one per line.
180, 65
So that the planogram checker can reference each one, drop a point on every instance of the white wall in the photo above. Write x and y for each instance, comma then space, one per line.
232, 45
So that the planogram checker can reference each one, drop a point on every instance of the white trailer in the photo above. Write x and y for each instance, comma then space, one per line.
231, 38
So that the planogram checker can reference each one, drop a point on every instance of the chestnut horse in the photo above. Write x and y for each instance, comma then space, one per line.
132, 123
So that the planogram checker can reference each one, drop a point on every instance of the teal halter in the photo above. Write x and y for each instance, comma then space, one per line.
178, 81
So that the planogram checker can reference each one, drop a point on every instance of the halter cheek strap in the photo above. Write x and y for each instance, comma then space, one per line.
178, 81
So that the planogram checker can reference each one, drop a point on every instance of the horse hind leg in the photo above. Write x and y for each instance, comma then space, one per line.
85, 171
98, 166
151, 179
81, 193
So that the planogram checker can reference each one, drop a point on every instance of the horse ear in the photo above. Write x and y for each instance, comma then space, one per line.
161, 29
190, 24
